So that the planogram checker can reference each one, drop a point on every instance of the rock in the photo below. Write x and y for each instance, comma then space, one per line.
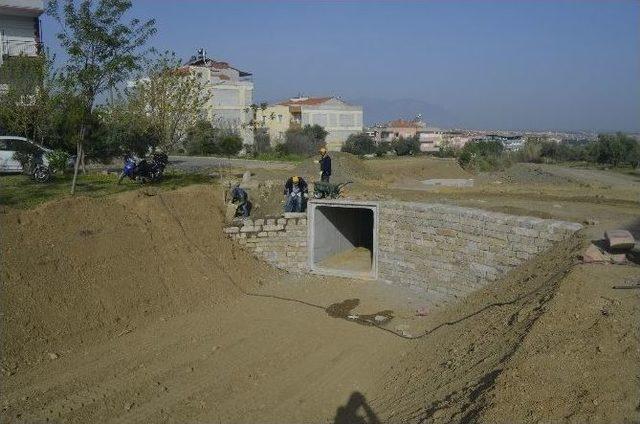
593, 255
246, 178
128, 406
53, 356
230, 212
422, 311
380, 318
618, 258
619, 239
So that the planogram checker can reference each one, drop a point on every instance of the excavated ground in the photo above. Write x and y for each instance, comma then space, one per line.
135, 308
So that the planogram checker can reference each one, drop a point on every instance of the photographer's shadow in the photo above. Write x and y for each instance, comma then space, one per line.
356, 411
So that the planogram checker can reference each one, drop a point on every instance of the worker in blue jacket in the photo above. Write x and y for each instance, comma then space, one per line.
296, 192
325, 165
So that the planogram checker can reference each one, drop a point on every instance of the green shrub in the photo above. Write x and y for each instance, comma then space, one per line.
359, 144
383, 148
201, 139
482, 156
230, 144
58, 160
446, 150
406, 146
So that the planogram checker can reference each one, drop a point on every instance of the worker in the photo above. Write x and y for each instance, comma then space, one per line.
240, 197
325, 165
296, 192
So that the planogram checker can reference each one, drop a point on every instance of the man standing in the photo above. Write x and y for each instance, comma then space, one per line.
296, 191
325, 165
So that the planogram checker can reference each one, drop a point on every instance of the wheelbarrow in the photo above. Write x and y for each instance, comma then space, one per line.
322, 189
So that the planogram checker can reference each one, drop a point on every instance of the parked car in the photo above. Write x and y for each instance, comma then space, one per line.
10, 144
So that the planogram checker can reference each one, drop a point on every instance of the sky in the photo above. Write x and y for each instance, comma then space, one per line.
537, 65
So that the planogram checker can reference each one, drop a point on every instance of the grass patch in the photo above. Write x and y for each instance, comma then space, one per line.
20, 191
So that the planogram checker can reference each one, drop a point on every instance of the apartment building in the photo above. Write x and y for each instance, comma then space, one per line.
337, 117
231, 94
20, 28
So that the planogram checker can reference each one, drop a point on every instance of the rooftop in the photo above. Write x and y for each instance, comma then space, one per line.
214, 64
307, 101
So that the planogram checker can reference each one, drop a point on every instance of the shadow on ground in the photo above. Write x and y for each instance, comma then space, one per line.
356, 411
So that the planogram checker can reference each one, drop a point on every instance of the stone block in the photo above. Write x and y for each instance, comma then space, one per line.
258, 222
619, 239
231, 230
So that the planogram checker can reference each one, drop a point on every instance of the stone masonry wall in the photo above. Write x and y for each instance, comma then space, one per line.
280, 241
450, 251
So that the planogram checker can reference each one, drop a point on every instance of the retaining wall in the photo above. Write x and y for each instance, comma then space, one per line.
280, 241
450, 251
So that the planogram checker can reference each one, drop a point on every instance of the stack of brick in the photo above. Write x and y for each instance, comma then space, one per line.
280, 241
451, 251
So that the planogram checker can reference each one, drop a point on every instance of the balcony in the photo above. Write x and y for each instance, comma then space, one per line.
18, 47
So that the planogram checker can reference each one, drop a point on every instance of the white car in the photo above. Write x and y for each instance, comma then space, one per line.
9, 144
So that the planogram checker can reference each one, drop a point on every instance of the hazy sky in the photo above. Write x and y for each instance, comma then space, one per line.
478, 64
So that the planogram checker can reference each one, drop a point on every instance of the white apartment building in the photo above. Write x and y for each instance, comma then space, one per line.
337, 117
231, 94
20, 28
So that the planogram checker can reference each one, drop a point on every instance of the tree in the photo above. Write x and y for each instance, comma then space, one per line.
616, 149
261, 141
168, 99
201, 139
261, 138
359, 144
406, 146
303, 141
102, 51
28, 105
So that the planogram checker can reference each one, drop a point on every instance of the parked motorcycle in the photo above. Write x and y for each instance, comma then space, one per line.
144, 170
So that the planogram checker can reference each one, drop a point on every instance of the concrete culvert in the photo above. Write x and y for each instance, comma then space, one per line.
343, 239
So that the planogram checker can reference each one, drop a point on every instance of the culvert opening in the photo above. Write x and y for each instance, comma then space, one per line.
343, 240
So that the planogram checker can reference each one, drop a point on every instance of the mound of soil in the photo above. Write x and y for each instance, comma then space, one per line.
416, 168
79, 264
344, 167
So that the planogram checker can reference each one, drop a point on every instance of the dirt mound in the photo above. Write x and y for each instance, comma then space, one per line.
82, 263
416, 168
344, 167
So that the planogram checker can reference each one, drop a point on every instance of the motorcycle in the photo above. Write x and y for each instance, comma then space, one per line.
144, 170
